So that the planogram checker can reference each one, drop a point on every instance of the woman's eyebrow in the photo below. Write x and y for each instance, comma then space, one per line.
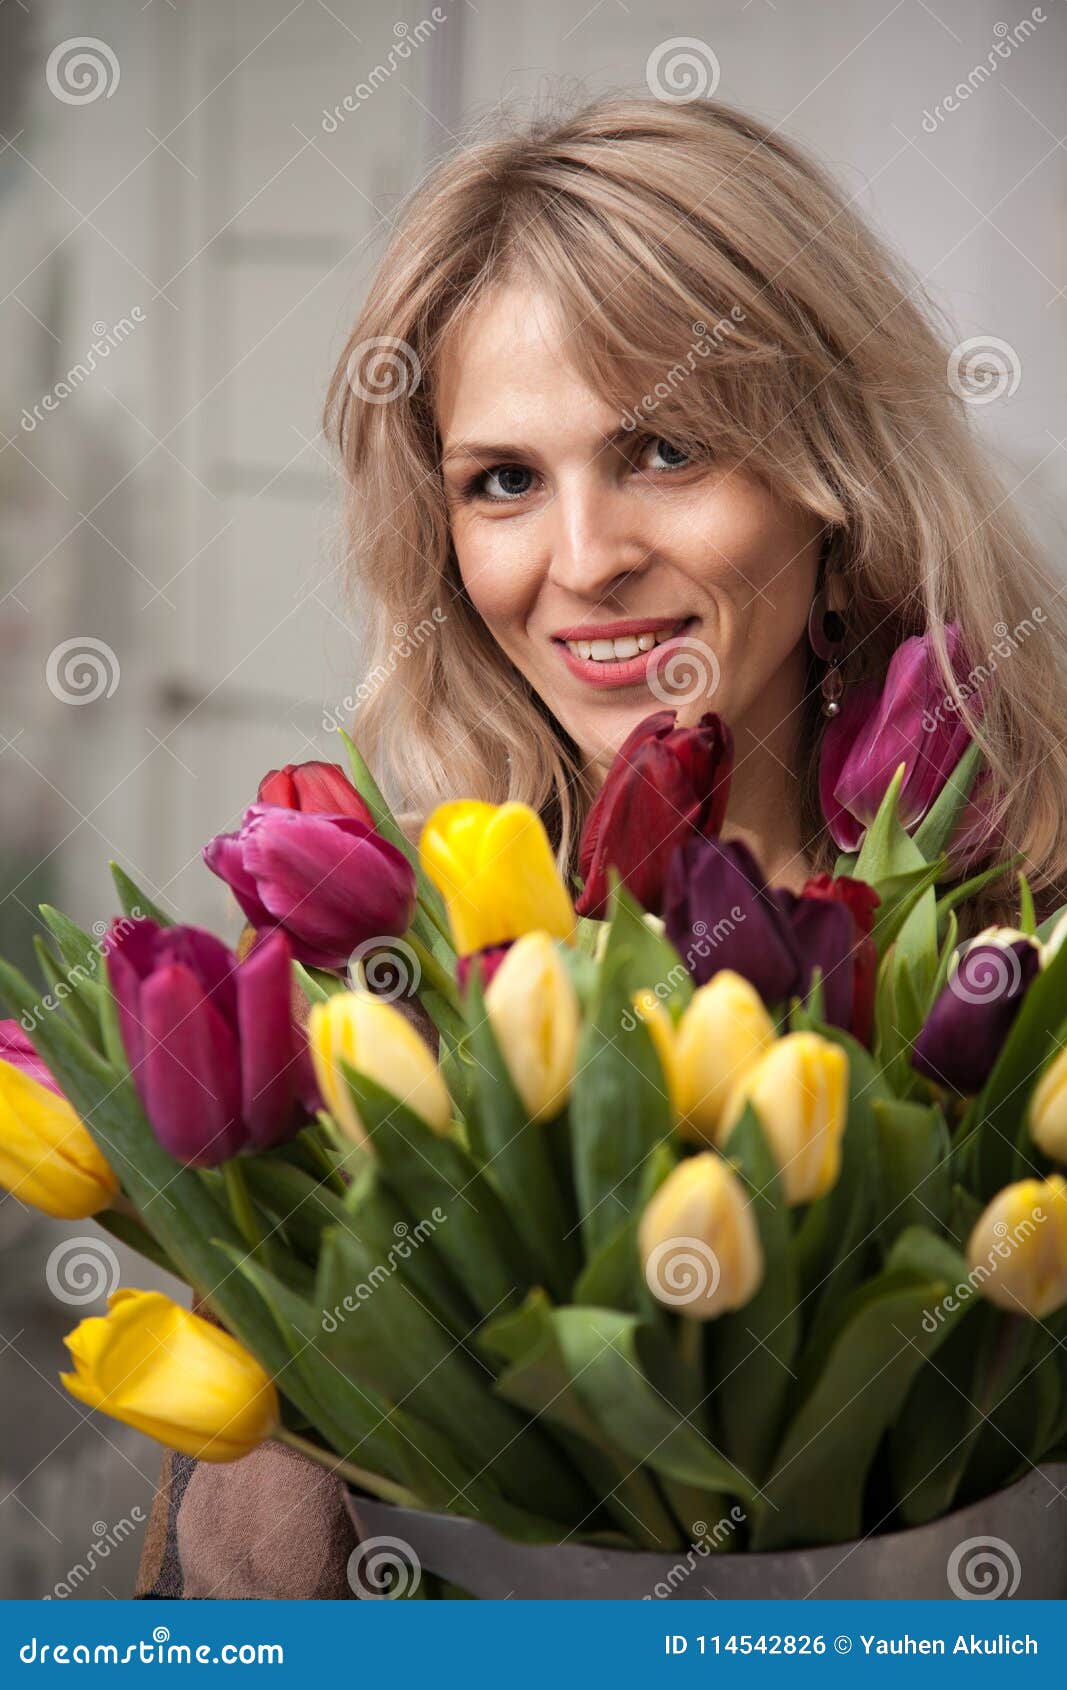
483, 450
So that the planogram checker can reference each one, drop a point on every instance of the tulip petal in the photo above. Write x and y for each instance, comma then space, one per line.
268, 1041
189, 1079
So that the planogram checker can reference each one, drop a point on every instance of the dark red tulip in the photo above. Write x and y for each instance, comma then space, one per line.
330, 882
966, 1028
218, 1061
322, 788
719, 912
488, 959
666, 784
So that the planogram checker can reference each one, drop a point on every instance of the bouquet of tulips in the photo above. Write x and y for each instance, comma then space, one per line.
715, 1200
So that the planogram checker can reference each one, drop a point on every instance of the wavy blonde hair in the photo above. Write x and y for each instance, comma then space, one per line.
716, 284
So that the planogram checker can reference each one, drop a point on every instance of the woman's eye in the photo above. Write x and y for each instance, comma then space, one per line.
673, 457
503, 482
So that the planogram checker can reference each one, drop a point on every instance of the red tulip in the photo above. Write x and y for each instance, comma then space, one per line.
666, 784
322, 788
911, 719
861, 901
330, 882
217, 1058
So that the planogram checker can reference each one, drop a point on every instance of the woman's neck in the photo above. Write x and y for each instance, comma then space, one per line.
766, 805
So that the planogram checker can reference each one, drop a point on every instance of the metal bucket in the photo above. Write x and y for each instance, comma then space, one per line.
1009, 1545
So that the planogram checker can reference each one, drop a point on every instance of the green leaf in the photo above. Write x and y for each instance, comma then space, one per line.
613, 1278
753, 1348
78, 998
1027, 913
515, 1155
441, 1187
395, 1346
619, 1109
938, 825
80, 951
815, 1493
539, 1381
599, 1350
915, 1151
135, 902
887, 849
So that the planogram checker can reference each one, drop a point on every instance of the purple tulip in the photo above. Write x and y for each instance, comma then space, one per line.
966, 1028
719, 913
330, 882
218, 1061
911, 719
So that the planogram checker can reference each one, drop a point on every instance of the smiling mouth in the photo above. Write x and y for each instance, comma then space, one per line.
625, 647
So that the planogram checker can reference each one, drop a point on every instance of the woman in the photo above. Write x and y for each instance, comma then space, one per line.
642, 376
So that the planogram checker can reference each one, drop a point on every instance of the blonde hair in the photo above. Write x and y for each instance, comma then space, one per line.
715, 286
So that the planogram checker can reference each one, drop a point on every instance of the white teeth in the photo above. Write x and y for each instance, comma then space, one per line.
617, 651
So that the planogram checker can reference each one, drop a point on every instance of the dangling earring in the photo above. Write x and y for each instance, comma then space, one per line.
826, 636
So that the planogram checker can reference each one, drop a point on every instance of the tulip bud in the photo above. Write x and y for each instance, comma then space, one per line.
799, 1090
321, 788
373, 1037
1048, 1108
172, 1374
699, 1242
724, 1029
1017, 1253
493, 865
48, 1159
534, 1012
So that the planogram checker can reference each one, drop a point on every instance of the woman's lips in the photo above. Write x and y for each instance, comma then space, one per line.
627, 672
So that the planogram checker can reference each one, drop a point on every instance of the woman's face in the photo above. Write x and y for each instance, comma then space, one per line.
580, 543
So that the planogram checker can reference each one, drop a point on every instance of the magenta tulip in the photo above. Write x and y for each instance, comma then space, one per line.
217, 1058
330, 882
912, 719
16, 1049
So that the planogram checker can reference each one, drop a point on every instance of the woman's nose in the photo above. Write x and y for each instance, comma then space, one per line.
595, 540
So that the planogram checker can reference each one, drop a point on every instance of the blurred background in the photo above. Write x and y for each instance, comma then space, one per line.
189, 217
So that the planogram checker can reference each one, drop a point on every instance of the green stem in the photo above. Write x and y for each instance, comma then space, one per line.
431, 915
372, 1482
433, 974
243, 1210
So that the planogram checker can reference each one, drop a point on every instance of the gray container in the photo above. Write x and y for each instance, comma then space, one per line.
1010, 1545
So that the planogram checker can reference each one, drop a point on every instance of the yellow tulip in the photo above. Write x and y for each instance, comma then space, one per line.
1017, 1253
372, 1036
1048, 1109
698, 1240
48, 1158
723, 1031
493, 865
799, 1090
173, 1375
534, 1012
657, 1018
